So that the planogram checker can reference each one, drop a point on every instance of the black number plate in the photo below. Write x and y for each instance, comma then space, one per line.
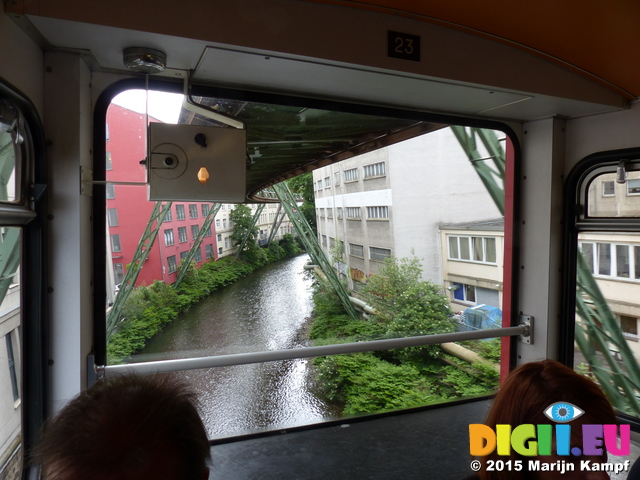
404, 46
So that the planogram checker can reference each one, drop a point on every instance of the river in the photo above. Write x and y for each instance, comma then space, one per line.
268, 310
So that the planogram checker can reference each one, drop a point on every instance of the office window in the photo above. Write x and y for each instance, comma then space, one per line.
329, 212
319, 184
375, 170
12, 368
356, 250
208, 251
205, 209
112, 217
339, 213
608, 189
168, 237
171, 263
115, 243
336, 178
118, 273
193, 211
182, 234
327, 182
377, 213
180, 212
472, 248
351, 175
379, 254
195, 229
111, 191
354, 212
168, 217
633, 186
198, 256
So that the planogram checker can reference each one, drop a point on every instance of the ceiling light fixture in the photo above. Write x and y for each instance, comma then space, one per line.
144, 60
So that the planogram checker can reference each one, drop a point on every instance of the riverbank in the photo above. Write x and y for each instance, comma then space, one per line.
150, 308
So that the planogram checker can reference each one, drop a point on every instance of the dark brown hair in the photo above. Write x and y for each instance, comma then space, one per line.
533, 387
126, 424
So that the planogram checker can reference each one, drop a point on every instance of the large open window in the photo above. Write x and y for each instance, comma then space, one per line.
423, 248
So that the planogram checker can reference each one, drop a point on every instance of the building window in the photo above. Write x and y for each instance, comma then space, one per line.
115, 243
183, 255
182, 234
375, 170
208, 232
217, 223
608, 189
171, 263
464, 293
219, 238
354, 213
324, 240
205, 210
208, 251
195, 229
339, 213
633, 186
193, 211
379, 254
612, 260
336, 178
180, 212
332, 242
168, 237
472, 249
377, 213
198, 256
327, 182
12, 368
351, 175
329, 212
319, 184
118, 273
219, 250
226, 242
111, 191
112, 217
224, 223
629, 327
168, 217
356, 250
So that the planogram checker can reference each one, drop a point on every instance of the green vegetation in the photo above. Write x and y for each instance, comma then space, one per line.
303, 185
400, 378
149, 308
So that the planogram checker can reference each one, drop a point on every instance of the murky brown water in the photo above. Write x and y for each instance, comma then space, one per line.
266, 311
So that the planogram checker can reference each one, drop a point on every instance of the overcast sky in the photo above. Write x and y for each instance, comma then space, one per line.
163, 106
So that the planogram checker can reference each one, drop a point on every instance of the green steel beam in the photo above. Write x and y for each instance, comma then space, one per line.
256, 216
493, 178
206, 225
310, 242
149, 235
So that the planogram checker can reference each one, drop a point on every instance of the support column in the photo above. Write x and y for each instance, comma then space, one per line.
67, 125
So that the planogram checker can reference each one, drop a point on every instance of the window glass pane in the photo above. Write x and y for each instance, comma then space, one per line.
407, 176
606, 198
622, 261
604, 258
453, 247
587, 253
10, 353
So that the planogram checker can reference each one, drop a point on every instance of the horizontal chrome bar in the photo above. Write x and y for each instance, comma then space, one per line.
165, 366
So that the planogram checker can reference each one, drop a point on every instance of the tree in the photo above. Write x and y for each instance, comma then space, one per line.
303, 185
242, 219
407, 305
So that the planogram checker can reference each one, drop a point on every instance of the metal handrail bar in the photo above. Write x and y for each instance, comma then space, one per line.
164, 366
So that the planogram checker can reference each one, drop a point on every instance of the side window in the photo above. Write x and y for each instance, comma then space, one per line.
16, 169
605, 242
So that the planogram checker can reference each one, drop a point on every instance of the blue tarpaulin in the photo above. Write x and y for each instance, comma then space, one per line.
481, 317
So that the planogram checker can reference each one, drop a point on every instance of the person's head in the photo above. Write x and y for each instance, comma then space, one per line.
127, 428
527, 393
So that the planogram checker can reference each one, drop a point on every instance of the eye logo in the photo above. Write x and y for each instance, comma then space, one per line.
563, 412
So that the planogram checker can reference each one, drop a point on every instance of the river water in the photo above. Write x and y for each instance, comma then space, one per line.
268, 310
